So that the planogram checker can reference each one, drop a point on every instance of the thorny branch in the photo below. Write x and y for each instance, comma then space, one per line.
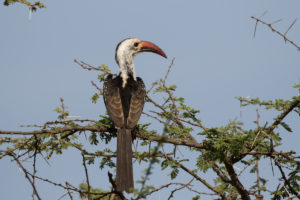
224, 169
141, 135
283, 35
201, 146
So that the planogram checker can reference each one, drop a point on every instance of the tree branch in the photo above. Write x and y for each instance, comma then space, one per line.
76, 128
114, 187
26, 174
274, 30
286, 181
235, 180
283, 115
269, 129
196, 177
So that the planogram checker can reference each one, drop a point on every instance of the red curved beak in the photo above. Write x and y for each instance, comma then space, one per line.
150, 47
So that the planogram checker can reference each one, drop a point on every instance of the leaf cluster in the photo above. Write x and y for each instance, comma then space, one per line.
33, 6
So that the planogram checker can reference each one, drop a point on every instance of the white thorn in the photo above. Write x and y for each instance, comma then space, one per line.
30, 12
237, 168
74, 117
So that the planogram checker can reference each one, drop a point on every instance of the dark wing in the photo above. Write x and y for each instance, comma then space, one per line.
113, 101
137, 102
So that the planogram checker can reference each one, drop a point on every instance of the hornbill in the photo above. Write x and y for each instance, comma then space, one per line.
124, 98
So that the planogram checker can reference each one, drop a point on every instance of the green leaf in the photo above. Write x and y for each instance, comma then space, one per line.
202, 164
95, 97
196, 197
285, 126
174, 173
93, 138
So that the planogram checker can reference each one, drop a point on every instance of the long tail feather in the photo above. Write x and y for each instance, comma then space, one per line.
124, 180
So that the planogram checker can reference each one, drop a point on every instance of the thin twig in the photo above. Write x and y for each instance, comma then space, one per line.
69, 192
169, 69
180, 188
96, 86
157, 190
34, 163
257, 176
26, 174
156, 118
153, 160
86, 175
86, 65
195, 176
286, 181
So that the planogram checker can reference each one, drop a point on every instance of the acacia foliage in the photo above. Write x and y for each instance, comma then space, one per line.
217, 150
32, 6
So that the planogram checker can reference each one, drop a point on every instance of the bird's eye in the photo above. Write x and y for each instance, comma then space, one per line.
136, 44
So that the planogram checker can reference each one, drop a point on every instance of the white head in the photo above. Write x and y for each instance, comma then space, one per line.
127, 50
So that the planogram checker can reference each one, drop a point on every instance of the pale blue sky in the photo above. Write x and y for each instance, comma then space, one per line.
216, 59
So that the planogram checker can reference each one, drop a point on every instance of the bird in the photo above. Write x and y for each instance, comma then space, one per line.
124, 98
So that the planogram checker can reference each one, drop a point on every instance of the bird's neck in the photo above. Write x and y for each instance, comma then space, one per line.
127, 70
